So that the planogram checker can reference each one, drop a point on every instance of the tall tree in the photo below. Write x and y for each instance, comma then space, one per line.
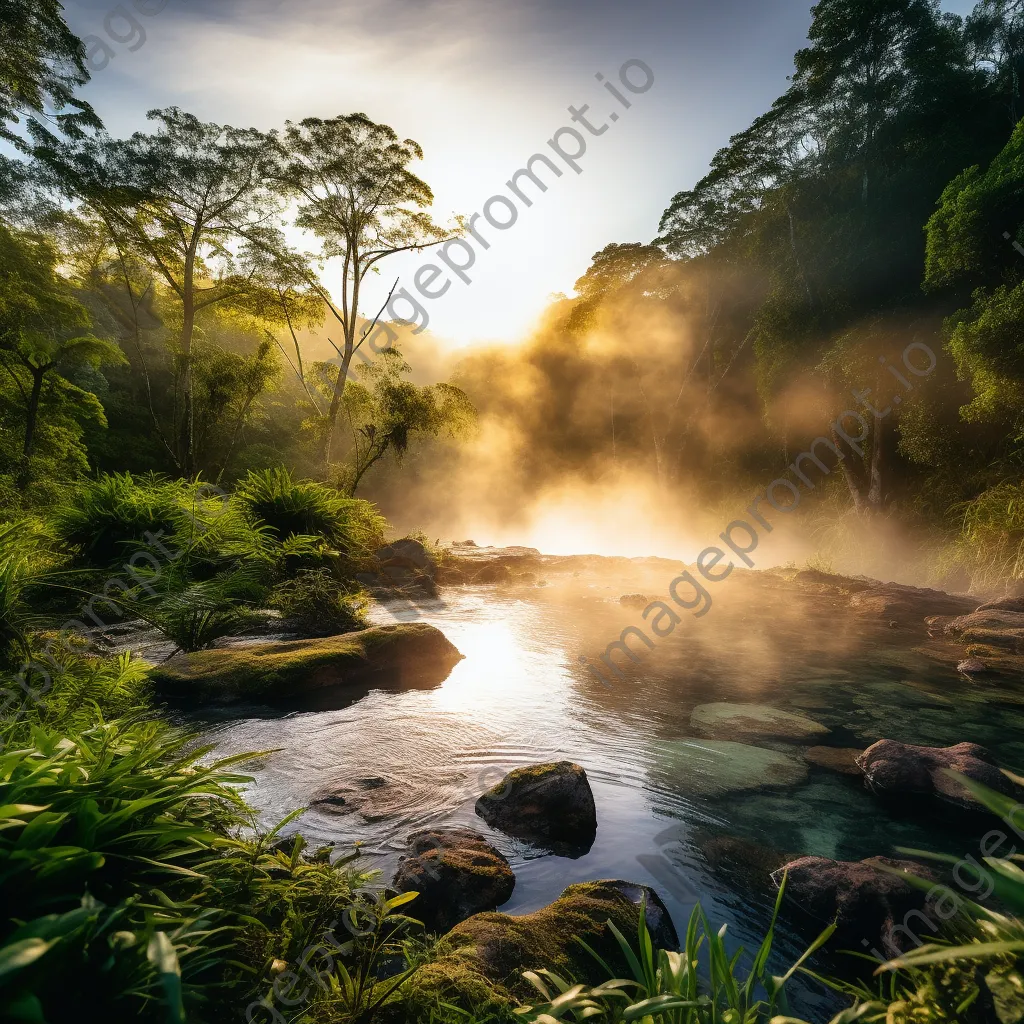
41, 333
184, 199
356, 192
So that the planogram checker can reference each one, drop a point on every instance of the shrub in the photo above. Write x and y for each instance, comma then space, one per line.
105, 517
303, 508
319, 605
990, 545
122, 880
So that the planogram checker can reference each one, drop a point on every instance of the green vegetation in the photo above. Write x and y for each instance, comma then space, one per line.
171, 454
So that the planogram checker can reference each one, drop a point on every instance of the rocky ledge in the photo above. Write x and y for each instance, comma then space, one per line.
403, 654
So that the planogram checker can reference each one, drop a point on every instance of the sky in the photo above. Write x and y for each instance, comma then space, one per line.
482, 85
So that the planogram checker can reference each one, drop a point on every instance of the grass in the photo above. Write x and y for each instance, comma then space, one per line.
670, 986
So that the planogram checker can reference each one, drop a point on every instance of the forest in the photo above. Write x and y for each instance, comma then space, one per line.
202, 442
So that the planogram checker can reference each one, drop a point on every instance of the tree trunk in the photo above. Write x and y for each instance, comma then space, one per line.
31, 420
860, 504
186, 434
875, 469
351, 319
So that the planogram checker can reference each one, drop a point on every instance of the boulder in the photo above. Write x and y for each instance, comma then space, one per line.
637, 601
456, 872
715, 767
871, 907
901, 769
722, 720
838, 759
551, 801
896, 602
402, 654
479, 964
1001, 628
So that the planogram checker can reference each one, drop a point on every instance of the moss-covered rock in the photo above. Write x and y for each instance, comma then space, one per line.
480, 962
456, 872
403, 654
550, 802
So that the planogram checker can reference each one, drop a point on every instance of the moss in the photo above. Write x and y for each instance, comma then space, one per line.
527, 773
480, 961
411, 652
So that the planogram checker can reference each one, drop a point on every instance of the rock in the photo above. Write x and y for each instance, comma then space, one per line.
996, 627
373, 799
900, 769
817, 579
638, 601
716, 767
1008, 604
479, 964
865, 902
971, 667
893, 601
492, 572
739, 860
839, 759
550, 801
407, 565
749, 720
403, 654
456, 872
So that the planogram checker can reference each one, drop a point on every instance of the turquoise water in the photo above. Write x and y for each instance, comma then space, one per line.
521, 695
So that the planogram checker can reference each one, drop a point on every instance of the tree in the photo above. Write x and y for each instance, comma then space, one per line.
42, 63
355, 191
39, 340
385, 416
192, 202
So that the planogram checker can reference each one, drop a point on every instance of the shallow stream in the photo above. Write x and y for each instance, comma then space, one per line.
664, 796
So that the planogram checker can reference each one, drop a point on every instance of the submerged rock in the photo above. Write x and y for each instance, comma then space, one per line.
742, 861
715, 767
480, 962
868, 905
839, 759
456, 872
901, 769
403, 654
721, 719
551, 801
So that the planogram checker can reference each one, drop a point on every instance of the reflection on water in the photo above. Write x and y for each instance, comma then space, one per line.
521, 696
